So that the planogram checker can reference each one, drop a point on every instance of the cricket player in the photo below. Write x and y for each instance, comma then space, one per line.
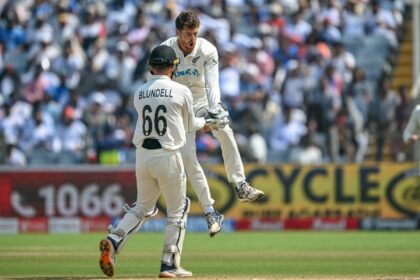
165, 114
199, 71
411, 132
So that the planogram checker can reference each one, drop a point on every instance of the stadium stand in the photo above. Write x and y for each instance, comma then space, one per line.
309, 77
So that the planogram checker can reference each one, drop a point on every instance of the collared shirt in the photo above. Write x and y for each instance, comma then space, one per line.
199, 71
165, 112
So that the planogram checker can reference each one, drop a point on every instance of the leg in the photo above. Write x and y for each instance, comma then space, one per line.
234, 167
178, 205
200, 185
148, 190
231, 157
195, 172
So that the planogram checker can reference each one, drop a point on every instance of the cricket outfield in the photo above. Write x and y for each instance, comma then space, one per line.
250, 255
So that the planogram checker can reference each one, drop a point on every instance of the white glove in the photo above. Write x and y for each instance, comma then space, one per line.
216, 123
219, 111
217, 117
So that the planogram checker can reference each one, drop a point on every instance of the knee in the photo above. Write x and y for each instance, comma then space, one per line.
180, 220
136, 209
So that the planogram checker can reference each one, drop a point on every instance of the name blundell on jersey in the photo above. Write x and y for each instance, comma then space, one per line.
158, 92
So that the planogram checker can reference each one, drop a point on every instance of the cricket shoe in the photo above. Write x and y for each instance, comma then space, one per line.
106, 262
247, 193
214, 222
169, 271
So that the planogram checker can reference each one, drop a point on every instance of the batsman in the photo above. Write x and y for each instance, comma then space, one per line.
199, 71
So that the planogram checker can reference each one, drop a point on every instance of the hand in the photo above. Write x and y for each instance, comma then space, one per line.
218, 112
206, 128
217, 117
213, 122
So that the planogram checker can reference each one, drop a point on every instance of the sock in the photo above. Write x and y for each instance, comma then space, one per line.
208, 209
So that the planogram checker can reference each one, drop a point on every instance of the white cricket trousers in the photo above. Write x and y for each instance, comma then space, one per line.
161, 171
231, 157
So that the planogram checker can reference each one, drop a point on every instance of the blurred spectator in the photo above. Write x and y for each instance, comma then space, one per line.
353, 19
361, 93
287, 131
294, 87
38, 134
9, 81
120, 67
324, 104
99, 123
70, 139
402, 115
298, 29
15, 156
359, 98
343, 62
91, 29
386, 121
230, 76
257, 146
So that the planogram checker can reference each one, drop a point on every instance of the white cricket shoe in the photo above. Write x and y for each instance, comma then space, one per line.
107, 259
247, 193
214, 222
172, 272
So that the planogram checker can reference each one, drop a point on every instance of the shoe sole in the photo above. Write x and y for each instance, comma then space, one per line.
166, 274
213, 233
259, 196
105, 262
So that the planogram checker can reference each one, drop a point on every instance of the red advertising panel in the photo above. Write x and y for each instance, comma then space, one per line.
82, 193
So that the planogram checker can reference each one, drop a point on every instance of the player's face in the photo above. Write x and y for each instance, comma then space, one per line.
187, 38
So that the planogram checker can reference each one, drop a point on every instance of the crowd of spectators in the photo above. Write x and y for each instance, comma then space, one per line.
295, 93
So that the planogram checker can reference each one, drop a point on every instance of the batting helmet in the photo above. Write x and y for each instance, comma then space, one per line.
162, 56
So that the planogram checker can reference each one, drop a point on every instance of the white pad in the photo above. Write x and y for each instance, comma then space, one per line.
130, 224
174, 238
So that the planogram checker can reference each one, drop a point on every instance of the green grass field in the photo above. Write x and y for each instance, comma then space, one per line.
258, 255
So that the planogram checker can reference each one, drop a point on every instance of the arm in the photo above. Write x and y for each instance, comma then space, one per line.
412, 125
211, 68
192, 123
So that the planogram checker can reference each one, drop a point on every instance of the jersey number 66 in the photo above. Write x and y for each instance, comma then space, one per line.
159, 120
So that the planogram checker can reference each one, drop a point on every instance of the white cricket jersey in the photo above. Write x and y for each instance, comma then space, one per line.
165, 113
413, 125
199, 71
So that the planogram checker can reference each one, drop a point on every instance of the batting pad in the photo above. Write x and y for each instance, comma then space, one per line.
174, 238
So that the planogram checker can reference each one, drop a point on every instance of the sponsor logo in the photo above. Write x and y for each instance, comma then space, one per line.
33, 225
332, 224
9, 226
64, 225
187, 73
403, 193
388, 224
